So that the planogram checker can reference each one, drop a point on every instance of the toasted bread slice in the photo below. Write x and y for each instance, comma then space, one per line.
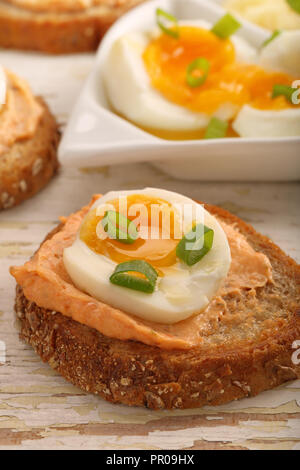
29, 164
247, 361
60, 26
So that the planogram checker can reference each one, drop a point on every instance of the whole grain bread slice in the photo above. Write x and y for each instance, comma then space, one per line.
58, 32
29, 164
135, 374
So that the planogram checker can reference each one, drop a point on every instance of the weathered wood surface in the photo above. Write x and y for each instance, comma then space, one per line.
39, 409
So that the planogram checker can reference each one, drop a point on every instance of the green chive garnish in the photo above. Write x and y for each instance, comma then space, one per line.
164, 19
119, 227
295, 5
226, 26
201, 66
284, 90
192, 248
271, 38
216, 129
122, 278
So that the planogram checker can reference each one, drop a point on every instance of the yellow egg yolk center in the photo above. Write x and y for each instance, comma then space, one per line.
156, 221
166, 60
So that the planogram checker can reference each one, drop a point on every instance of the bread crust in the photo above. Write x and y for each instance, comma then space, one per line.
135, 374
59, 33
29, 165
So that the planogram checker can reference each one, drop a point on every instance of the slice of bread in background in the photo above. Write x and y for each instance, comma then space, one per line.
65, 27
29, 164
241, 365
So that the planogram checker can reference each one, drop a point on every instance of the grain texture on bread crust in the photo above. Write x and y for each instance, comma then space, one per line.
135, 374
59, 32
29, 164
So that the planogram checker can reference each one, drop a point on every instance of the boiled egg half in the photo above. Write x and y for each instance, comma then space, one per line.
181, 290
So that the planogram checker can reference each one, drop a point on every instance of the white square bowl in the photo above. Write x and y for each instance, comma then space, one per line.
96, 136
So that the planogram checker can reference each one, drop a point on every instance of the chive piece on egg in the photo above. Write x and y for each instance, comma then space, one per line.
295, 5
122, 278
195, 244
118, 227
167, 23
273, 36
201, 66
226, 26
284, 90
216, 129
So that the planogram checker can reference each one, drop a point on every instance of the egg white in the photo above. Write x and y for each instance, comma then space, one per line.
131, 94
282, 53
183, 292
252, 122
3, 87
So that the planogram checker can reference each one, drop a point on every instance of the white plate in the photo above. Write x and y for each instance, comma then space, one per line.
96, 136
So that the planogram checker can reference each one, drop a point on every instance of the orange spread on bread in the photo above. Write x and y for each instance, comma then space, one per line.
46, 282
20, 115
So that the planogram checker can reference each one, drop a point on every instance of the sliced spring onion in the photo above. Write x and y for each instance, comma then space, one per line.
295, 5
271, 38
284, 90
164, 19
192, 248
122, 277
216, 129
119, 227
202, 67
226, 26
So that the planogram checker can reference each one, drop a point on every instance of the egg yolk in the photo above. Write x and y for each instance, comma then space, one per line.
160, 252
166, 60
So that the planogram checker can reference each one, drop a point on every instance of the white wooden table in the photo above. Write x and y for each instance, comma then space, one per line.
38, 408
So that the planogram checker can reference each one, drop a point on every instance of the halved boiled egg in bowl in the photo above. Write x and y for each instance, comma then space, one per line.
122, 116
192, 80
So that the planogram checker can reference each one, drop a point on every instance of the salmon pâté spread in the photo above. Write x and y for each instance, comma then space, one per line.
20, 115
46, 282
